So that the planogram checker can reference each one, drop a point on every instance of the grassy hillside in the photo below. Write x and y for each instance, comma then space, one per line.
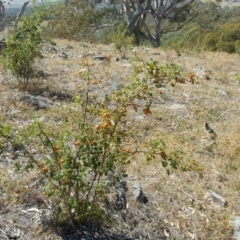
179, 205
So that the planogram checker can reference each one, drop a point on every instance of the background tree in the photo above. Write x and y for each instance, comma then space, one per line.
3, 17
144, 15
145, 18
76, 19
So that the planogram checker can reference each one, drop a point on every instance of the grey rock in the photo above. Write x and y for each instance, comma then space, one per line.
43, 119
45, 217
68, 47
121, 186
38, 101
140, 117
41, 74
13, 233
223, 92
63, 55
138, 193
236, 223
53, 50
120, 201
83, 45
216, 199
126, 64
134, 50
125, 60
202, 73
116, 86
49, 49
101, 58
176, 106
81, 56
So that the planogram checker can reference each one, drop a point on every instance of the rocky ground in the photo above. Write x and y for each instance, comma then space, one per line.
182, 205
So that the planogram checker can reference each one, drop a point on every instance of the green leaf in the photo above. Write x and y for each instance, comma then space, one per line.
6, 129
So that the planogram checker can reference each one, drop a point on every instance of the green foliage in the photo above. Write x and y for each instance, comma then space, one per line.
81, 158
75, 19
208, 14
228, 47
187, 39
121, 39
215, 29
229, 32
237, 46
23, 46
209, 42
169, 73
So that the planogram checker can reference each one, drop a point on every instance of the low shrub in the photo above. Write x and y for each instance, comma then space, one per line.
23, 46
121, 39
228, 47
84, 155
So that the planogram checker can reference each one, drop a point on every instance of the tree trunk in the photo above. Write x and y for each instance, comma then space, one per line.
160, 10
2, 11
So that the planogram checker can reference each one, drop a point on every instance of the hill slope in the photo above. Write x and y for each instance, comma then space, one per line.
182, 205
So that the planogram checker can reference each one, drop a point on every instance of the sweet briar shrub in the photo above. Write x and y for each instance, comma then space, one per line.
23, 46
86, 154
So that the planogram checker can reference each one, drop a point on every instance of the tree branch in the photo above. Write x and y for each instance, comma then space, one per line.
100, 27
180, 26
20, 13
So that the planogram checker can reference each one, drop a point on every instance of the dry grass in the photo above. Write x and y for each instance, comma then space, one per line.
177, 208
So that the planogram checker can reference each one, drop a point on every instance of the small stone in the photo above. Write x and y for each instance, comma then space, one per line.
140, 117
49, 49
117, 199
176, 106
236, 223
223, 92
202, 73
63, 55
216, 199
128, 65
101, 58
38, 101
120, 201
138, 193
116, 86
42, 119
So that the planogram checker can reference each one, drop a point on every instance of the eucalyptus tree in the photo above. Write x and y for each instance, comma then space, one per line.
151, 16
148, 18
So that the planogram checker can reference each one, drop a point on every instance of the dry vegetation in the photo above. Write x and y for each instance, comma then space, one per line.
177, 207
